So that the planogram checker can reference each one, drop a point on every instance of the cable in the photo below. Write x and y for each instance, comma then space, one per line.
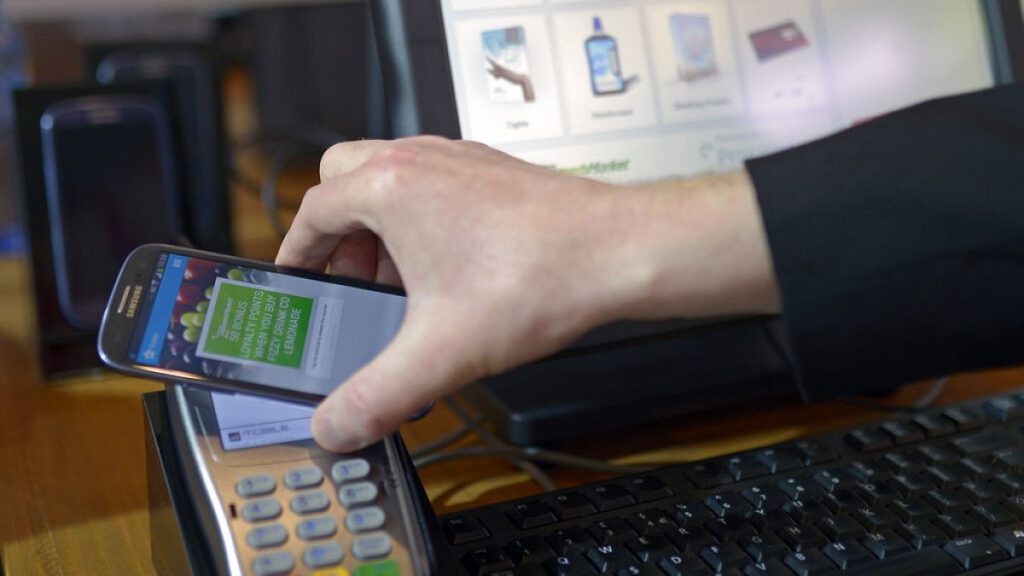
444, 441
525, 465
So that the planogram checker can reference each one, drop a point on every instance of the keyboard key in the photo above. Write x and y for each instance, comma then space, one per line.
771, 567
728, 504
938, 454
1009, 483
486, 560
843, 501
684, 565
870, 471
612, 531
724, 556
1011, 460
1011, 539
766, 496
611, 497
868, 440
651, 548
874, 519
980, 467
840, 527
708, 474
847, 554
904, 463
691, 539
575, 565
946, 476
834, 478
691, 513
609, 558
958, 525
876, 494
910, 486
744, 467
885, 544
911, 510
801, 489
463, 529
802, 538
637, 570
781, 460
985, 442
930, 561
569, 505
730, 528
529, 550
810, 563
570, 541
994, 516
1004, 408
531, 514
981, 492
808, 511
649, 488
947, 501
652, 521
902, 431
348, 470
764, 546
922, 534
934, 425
814, 452
975, 551
965, 418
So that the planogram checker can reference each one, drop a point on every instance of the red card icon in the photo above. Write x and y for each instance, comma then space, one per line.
777, 40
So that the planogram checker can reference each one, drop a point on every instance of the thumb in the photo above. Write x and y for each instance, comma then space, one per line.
417, 367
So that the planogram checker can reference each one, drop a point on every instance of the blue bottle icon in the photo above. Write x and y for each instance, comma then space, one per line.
603, 59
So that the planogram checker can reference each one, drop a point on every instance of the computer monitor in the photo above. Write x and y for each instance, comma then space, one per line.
640, 90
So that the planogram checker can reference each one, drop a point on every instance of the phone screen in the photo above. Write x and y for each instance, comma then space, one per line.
251, 325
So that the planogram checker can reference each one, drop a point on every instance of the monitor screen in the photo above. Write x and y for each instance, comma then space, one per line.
639, 90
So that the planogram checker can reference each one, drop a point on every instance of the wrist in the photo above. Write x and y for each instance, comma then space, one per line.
688, 249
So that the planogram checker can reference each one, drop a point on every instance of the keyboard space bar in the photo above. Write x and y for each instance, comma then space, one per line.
931, 561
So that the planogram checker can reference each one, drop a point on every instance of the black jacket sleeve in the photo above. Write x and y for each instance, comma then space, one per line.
899, 244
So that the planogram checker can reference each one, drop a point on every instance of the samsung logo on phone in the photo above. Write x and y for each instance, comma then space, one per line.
131, 297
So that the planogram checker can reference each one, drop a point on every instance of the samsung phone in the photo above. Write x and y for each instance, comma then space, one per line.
110, 186
187, 315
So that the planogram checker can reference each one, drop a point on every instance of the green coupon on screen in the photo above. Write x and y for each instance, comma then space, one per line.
253, 324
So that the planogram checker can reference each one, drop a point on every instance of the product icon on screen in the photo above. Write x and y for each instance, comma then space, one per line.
778, 40
508, 68
606, 77
694, 46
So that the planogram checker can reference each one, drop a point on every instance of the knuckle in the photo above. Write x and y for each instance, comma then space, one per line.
329, 159
389, 169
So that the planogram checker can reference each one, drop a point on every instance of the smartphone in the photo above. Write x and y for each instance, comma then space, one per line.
188, 315
110, 186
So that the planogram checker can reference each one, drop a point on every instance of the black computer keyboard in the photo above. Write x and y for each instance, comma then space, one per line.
932, 493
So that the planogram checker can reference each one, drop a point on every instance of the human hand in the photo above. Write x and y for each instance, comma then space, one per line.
503, 262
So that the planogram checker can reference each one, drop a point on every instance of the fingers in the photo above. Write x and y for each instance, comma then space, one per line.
356, 256
346, 157
417, 367
328, 212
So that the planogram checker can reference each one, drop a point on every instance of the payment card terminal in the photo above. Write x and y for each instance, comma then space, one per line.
255, 495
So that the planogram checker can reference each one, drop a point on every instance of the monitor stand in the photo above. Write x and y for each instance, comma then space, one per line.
683, 373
